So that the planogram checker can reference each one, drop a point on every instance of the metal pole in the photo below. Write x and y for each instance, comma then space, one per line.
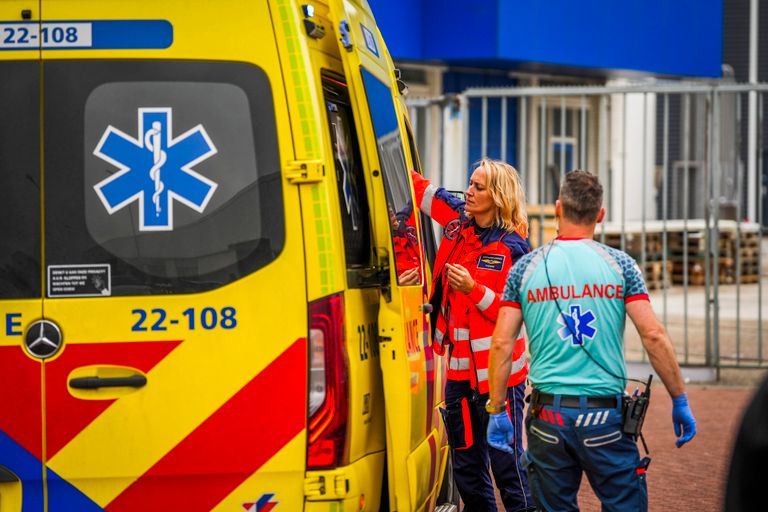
542, 164
739, 217
583, 135
464, 105
562, 137
760, 230
665, 279
522, 151
602, 156
716, 193
686, 198
623, 169
484, 129
643, 236
504, 129
753, 188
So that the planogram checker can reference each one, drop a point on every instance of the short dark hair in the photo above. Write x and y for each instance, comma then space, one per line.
581, 197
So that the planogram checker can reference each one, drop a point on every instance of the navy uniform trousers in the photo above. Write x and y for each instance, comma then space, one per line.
470, 464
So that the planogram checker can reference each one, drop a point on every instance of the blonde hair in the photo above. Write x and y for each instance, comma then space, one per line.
508, 195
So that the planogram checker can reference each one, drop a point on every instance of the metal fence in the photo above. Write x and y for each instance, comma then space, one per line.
684, 174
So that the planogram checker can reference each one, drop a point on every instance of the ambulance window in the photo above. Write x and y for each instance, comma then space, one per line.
349, 173
427, 233
20, 180
166, 173
405, 239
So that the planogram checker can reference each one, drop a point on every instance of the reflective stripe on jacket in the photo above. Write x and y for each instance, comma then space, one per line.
466, 321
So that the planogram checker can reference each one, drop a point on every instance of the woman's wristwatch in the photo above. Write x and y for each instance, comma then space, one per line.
490, 409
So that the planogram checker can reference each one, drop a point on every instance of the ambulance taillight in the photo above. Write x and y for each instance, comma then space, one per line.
328, 411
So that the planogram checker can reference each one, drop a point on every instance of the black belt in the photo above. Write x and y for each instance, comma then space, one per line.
593, 402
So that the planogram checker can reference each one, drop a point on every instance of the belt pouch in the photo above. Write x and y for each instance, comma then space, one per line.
458, 423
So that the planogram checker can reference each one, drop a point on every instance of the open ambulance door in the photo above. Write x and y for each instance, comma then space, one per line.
412, 441
22, 348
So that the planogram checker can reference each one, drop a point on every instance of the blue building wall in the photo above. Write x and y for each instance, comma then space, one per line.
400, 23
454, 82
665, 37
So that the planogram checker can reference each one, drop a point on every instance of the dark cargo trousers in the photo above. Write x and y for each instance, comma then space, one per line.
467, 423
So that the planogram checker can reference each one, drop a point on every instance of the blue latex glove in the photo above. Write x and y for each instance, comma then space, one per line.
501, 432
683, 420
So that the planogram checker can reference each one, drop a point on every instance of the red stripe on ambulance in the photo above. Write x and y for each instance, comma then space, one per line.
71, 415
20, 416
230, 445
21, 411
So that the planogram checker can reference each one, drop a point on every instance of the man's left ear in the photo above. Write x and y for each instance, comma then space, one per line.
601, 215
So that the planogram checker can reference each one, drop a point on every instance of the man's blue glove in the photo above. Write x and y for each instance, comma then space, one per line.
683, 420
501, 433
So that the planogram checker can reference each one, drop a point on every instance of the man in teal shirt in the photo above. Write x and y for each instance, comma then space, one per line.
573, 295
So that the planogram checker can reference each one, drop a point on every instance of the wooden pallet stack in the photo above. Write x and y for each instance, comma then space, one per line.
651, 261
738, 254
687, 251
738, 251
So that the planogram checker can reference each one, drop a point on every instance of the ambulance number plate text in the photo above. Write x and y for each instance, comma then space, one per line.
158, 319
21, 36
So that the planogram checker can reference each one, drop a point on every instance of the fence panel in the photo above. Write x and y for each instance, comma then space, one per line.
684, 194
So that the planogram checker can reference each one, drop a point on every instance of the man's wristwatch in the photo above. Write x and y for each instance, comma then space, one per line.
490, 409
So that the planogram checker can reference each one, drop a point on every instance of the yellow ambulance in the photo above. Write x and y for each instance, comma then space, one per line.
213, 282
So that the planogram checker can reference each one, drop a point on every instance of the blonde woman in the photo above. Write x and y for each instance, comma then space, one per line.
483, 236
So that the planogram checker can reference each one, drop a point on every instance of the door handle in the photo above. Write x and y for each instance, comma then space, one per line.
134, 381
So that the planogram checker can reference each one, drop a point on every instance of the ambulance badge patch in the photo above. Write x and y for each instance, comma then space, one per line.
490, 262
155, 169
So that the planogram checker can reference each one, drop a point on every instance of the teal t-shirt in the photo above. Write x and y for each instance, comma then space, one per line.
579, 305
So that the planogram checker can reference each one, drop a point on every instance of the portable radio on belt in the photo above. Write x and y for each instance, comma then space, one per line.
635, 406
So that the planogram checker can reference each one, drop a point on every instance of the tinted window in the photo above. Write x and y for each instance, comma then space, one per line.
20, 179
396, 181
427, 234
164, 173
349, 174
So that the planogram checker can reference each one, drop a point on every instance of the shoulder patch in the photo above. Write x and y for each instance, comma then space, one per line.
452, 229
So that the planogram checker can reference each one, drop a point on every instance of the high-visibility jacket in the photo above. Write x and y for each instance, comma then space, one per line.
466, 321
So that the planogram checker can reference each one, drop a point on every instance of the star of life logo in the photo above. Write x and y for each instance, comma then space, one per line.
155, 169
576, 325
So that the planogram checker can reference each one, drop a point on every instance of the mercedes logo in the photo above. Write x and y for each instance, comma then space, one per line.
43, 339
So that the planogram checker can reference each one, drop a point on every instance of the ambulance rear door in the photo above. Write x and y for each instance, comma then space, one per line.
21, 442
173, 261
412, 443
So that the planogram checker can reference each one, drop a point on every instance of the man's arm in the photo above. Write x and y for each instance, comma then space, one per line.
657, 344
500, 358
501, 432
663, 360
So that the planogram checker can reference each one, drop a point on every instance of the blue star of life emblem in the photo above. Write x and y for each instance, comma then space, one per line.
576, 325
155, 169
